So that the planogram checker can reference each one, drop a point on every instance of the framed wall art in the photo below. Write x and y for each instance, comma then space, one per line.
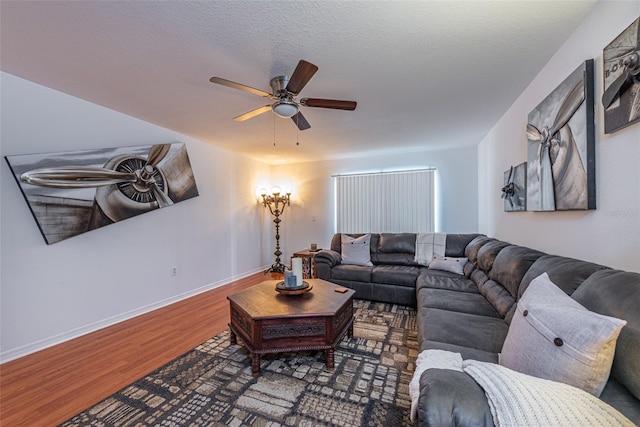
621, 73
75, 192
561, 146
514, 191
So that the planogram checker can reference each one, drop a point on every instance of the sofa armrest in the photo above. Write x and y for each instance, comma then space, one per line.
452, 398
325, 261
327, 256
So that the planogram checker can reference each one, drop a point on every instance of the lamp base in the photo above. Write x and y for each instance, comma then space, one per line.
276, 268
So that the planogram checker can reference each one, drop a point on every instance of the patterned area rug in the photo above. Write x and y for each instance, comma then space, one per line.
212, 384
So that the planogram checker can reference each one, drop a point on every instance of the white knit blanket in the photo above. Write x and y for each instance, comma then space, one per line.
516, 399
428, 245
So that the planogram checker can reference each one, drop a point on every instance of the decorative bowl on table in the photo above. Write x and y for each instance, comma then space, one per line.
297, 290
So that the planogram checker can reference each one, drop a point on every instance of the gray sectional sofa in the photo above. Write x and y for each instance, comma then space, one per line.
471, 313
392, 278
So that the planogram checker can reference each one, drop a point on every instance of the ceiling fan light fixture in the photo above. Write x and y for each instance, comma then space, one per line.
285, 109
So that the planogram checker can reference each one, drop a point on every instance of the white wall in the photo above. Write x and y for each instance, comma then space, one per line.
310, 218
50, 293
609, 235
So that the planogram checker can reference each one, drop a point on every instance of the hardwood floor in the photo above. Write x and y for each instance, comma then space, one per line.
50, 386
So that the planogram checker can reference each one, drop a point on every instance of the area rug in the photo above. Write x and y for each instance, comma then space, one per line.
212, 384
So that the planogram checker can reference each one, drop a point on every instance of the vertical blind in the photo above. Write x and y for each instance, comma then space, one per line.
386, 202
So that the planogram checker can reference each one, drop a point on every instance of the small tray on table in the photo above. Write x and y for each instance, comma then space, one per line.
306, 287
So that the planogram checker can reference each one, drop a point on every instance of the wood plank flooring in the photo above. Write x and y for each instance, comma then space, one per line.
50, 386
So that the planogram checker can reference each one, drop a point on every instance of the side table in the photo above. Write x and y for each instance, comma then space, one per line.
308, 264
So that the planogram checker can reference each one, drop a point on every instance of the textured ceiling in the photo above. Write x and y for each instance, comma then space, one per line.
424, 73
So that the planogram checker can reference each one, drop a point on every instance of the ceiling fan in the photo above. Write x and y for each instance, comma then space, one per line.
284, 93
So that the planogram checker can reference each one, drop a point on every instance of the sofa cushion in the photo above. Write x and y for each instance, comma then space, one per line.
457, 243
471, 251
356, 250
397, 242
617, 293
566, 273
454, 265
511, 265
395, 249
464, 302
398, 258
468, 269
498, 296
478, 277
465, 352
488, 253
356, 273
463, 329
444, 280
394, 294
401, 275
552, 336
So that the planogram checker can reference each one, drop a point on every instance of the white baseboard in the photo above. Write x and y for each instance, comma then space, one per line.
110, 321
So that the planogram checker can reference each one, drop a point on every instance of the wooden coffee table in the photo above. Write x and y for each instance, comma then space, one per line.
269, 322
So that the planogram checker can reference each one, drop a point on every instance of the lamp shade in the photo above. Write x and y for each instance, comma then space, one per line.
285, 109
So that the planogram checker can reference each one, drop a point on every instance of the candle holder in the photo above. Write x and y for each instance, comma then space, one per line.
276, 203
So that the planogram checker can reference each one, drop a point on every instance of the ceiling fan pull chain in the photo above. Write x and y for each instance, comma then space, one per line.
274, 130
298, 129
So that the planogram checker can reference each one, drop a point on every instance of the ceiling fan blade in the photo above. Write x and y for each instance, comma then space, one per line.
569, 106
76, 177
157, 153
613, 90
300, 121
301, 76
329, 103
252, 113
229, 83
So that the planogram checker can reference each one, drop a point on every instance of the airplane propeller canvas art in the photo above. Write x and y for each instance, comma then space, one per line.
561, 146
621, 73
74, 192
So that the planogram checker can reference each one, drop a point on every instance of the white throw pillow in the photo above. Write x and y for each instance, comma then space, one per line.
356, 251
453, 265
552, 336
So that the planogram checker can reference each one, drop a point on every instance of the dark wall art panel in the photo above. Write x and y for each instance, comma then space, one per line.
514, 191
74, 192
621, 72
561, 146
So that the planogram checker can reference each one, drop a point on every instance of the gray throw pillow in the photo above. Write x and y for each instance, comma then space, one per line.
356, 251
453, 265
552, 336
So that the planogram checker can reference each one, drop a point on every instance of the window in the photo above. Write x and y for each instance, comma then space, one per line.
386, 202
